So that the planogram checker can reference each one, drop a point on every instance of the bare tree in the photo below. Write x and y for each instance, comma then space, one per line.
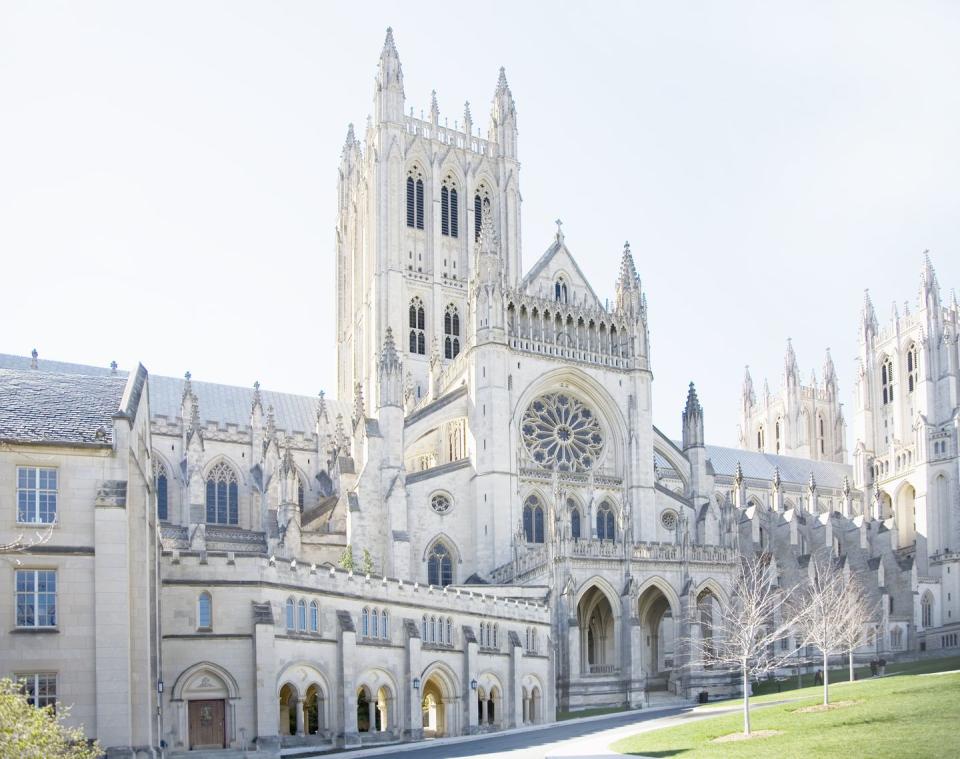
820, 610
22, 543
750, 624
859, 615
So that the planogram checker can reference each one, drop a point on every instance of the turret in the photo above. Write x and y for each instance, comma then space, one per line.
390, 373
487, 284
389, 99
829, 377
791, 372
503, 118
628, 286
692, 421
929, 287
868, 319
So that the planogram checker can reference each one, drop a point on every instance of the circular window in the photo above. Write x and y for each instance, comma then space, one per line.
669, 519
440, 503
560, 431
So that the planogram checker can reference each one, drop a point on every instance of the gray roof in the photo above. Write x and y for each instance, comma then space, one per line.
761, 466
218, 404
39, 406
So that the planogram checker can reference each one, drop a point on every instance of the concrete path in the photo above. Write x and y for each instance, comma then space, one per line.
575, 739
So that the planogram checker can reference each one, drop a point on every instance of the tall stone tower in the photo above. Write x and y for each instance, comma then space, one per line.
906, 425
801, 420
412, 195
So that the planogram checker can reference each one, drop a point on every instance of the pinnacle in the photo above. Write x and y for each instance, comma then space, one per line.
388, 43
502, 81
351, 137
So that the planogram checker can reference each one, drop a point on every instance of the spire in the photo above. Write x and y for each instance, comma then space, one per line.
322, 408
434, 108
692, 420
187, 384
467, 118
389, 95
628, 284
340, 436
257, 399
868, 317
271, 424
351, 137
829, 375
749, 396
359, 407
503, 117
391, 374
791, 370
738, 475
929, 287
777, 481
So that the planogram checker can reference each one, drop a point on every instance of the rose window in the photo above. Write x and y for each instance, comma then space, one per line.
668, 519
440, 503
559, 431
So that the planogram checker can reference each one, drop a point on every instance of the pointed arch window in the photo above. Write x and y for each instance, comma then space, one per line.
777, 431
451, 332
302, 615
415, 199
560, 290
440, 565
886, 381
314, 617
161, 478
575, 523
418, 321
481, 202
384, 626
449, 208
533, 520
926, 610
222, 495
606, 526
300, 496
290, 614
760, 439
913, 375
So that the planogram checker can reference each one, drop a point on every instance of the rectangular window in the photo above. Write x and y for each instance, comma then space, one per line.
36, 597
36, 495
40, 688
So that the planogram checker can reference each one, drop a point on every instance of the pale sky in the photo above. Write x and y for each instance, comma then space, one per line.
168, 171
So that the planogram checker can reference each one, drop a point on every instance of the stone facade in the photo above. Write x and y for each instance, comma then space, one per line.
486, 527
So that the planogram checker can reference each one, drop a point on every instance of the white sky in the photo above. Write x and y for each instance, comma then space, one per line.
168, 171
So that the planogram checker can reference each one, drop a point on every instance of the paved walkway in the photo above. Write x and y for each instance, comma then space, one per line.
580, 739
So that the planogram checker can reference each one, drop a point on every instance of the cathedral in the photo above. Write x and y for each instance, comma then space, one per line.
485, 528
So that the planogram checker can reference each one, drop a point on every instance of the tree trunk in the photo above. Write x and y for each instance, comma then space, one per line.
746, 703
826, 679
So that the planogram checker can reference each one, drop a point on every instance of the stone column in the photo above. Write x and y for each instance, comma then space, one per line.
638, 680
346, 732
411, 723
372, 713
300, 705
470, 671
264, 653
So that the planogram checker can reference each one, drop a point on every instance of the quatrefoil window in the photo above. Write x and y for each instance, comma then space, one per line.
561, 432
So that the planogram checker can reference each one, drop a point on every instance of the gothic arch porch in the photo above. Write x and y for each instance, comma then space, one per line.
205, 697
440, 702
658, 613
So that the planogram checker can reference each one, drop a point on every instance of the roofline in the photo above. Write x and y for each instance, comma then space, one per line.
56, 443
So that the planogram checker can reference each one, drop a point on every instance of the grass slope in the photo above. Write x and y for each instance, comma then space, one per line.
908, 715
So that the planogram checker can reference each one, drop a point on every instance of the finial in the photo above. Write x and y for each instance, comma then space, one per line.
351, 137
559, 230
113, 367
33, 358
187, 375
467, 117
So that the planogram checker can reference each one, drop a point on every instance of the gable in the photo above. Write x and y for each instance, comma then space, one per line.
556, 262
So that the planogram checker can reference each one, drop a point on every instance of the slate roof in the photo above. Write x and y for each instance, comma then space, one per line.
761, 466
39, 406
218, 404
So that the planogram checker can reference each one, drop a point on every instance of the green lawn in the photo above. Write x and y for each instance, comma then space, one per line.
907, 716
772, 690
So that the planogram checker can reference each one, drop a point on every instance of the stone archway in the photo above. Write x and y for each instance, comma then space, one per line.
205, 696
658, 624
289, 707
906, 516
598, 640
439, 699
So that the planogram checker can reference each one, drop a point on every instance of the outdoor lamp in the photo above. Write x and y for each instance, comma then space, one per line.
473, 685
416, 683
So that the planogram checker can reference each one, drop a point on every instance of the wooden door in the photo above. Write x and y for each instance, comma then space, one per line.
207, 728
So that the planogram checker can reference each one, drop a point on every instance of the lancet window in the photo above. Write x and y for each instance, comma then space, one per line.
418, 321
449, 208
222, 495
415, 199
451, 332
533, 520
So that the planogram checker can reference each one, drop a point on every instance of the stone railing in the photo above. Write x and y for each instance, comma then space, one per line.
553, 350
610, 481
596, 549
604, 669
692, 553
525, 564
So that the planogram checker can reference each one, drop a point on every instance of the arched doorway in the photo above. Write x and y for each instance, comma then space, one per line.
438, 704
906, 516
659, 637
288, 710
205, 695
598, 643
314, 710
